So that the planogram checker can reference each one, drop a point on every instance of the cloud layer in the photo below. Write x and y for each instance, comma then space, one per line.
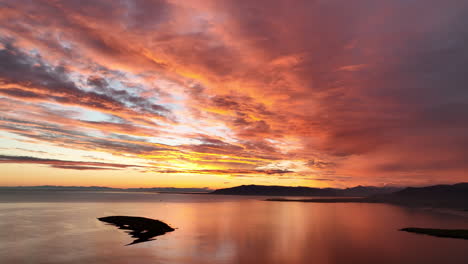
339, 92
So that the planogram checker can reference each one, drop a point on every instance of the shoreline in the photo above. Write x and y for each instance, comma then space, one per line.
461, 212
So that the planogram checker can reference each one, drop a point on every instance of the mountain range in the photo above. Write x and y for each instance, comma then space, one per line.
443, 196
358, 191
109, 189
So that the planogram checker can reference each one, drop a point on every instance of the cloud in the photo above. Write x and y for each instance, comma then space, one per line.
27, 77
75, 139
358, 89
322, 179
64, 164
69, 167
228, 171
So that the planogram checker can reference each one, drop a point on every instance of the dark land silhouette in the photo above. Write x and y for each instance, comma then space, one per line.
450, 233
104, 189
437, 196
143, 229
319, 200
358, 191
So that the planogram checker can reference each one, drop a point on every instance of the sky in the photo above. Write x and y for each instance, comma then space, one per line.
219, 93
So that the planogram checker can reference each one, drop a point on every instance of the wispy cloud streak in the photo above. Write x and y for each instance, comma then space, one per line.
64, 164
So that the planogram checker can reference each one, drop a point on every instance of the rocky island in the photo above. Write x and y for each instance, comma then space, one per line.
143, 229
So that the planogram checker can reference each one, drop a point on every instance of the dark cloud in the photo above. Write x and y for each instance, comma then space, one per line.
68, 167
135, 102
228, 171
314, 179
63, 164
213, 145
249, 149
19, 93
320, 164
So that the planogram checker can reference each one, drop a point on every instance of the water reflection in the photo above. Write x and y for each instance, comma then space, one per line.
218, 229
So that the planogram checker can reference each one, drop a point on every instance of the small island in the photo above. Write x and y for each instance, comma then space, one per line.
449, 233
143, 229
321, 200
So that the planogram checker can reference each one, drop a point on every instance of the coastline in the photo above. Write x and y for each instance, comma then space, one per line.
461, 212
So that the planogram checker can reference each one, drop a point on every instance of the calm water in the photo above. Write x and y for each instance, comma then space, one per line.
61, 227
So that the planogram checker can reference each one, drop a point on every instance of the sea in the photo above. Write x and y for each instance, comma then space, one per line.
62, 227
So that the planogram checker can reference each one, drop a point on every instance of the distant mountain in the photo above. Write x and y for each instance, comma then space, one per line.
99, 188
169, 190
437, 196
446, 196
362, 191
58, 188
276, 190
266, 190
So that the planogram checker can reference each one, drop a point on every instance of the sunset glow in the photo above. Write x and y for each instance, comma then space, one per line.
216, 94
